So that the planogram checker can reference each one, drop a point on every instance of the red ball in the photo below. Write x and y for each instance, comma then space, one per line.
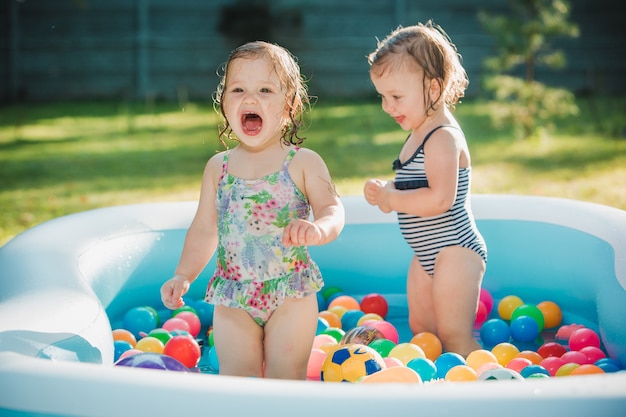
583, 337
183, 348
551, 349
374, 303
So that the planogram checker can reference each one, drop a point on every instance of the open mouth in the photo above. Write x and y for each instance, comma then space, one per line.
251, 123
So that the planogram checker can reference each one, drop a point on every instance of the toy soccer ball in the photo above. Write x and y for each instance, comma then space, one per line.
350, 362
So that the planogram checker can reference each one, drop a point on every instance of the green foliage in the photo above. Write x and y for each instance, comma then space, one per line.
523, 39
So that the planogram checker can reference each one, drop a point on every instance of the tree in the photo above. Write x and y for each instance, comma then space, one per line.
523, 40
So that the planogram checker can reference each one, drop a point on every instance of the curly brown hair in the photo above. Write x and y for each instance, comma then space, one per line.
292, 84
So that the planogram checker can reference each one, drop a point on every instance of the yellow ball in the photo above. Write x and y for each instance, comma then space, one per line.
480, 357
504, 352
150, 344
406, 352
507, 305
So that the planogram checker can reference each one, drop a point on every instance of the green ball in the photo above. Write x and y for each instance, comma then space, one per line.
531, 311
382, 346
335, 332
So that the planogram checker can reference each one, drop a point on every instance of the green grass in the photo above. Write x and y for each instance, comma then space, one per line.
61, 158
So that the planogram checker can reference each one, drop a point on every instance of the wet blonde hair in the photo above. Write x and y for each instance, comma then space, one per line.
291, 82
428, 48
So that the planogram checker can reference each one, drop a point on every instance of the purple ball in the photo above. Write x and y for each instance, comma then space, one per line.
149, 360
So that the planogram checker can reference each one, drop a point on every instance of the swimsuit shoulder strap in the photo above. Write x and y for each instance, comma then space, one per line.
429, 134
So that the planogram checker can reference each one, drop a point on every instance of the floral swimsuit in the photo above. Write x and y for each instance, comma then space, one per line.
255, 271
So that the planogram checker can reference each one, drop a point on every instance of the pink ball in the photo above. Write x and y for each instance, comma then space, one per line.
575, 356
593, 353
391, 362
517, 364
192, 320
581, 338
387, 329
552, 364
176, 323
487, 299
481, 315
314, 366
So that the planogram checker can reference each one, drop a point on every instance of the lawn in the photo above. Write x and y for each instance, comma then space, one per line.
61, 158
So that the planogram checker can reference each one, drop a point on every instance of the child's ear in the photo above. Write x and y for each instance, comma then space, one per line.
434, 91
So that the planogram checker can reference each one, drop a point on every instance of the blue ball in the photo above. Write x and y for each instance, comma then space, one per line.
608, 364
321, 302
213, 362
204, 311
494, 331
426, 369
140, 320
524, 329
350, 319
533, 369
447, 361
322, 324
120, 346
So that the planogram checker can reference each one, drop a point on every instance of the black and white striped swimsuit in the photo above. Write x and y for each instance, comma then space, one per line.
428, 235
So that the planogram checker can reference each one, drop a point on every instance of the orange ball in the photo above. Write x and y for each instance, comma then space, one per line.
587, 369
332, 318
461, 373
477, 358
534, 357
552, 314
505, 352
430, 344
346, 301
125, 335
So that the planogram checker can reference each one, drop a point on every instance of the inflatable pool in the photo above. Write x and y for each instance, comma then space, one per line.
66, 283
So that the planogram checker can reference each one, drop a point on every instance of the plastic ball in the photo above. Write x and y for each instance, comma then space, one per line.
530, 311
517, 364
566, 369
461, 373
532, 356
331, 318
426, 368
406, 351
587, 369
593, 353
374, 303
151, 360
505, 352
551, 349
150, 344
119, 347
397, 374
382, 346
125, 335
581, 338
524, 329
552, 314
391, 362
487, 299
447, 361
478, 358
185, 349
204, 311
494, 331
362, 334
322, 325
192, 320
140, 319
564, 332
430, 344
176, 323
533, 369
367, 317
328, 291
128, 353
552, 364
351, 362
336, 333
507, 305
338, 311
608, 365
500, 374
163, 335
314, 365
350, 319
481, 315
213, 360
575, 356
324, 339
321, 302
388, 330
346, 301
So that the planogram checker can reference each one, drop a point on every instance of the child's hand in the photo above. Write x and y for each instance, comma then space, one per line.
370, 190
172, 292
382, 196
302, 233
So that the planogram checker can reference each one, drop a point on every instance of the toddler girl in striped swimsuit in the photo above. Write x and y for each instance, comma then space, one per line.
418, 74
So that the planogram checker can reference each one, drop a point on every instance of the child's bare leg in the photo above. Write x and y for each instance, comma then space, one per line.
289, 335
419, 289
456, 289
238, 342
